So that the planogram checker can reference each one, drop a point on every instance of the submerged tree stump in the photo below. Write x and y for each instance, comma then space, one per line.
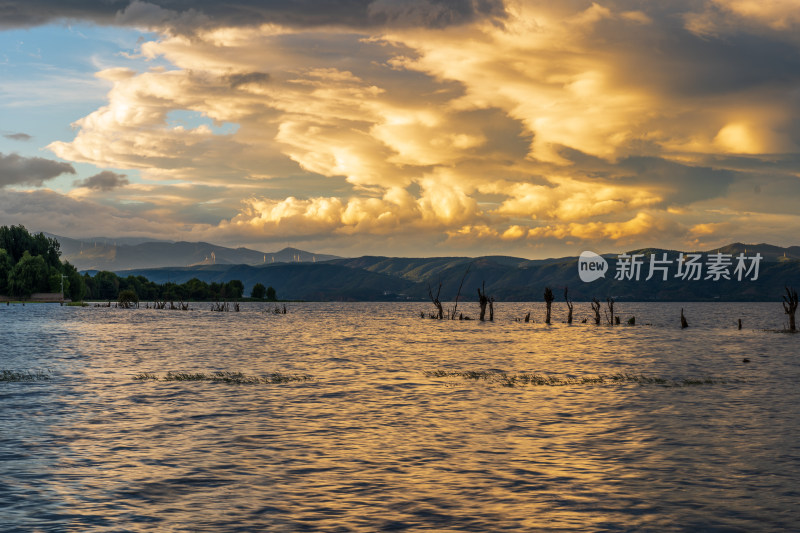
483, 300
684, 323
610, 305
436, 302
569, 305
596, 309
548, 300
458, 294
790, 307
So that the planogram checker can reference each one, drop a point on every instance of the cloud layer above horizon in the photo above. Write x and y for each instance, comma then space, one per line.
428, 127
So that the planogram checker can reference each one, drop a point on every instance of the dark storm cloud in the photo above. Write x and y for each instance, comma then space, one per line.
18, 136
237, 80
669, 58
105, 181
687, 183
432, 13
683, 184
18, 170
356, 13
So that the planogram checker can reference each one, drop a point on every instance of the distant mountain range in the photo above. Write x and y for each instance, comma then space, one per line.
372, 278
128, 253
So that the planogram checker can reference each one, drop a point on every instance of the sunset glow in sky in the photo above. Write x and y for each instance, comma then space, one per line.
416, 128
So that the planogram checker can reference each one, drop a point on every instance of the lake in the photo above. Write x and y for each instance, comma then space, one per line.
404, 423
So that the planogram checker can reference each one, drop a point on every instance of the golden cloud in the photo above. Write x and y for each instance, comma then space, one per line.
472, 131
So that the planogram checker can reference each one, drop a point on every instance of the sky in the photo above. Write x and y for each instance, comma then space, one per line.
404, 127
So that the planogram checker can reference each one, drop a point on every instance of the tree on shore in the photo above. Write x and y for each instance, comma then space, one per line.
6, 264
259, 291
106, 285
29, 275
30, 263
234, 289
271, 295
16, 240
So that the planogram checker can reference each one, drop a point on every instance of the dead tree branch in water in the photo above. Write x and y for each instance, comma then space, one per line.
436, 302
596, 309
548, 300
569, 304
790, 307
684, 323
483, 299
610, 314
458, 294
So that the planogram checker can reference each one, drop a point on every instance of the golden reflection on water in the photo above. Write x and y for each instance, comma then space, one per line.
372, 443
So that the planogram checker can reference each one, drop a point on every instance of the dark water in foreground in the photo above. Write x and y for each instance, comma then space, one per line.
372, 443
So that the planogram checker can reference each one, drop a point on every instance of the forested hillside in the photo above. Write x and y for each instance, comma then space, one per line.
506, 278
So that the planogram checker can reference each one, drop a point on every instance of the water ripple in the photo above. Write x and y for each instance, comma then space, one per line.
373, 443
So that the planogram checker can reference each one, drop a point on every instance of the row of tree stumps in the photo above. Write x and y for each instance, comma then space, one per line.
484, 301
790, 301
790, 304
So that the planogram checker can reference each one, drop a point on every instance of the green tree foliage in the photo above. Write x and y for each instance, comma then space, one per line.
127, 298
29, 275
271, 294
55, 281
259, 291
16, 240
148, 290
143, 287
234, 289
172, 291
6, 264
197, 290
30, 263
106, 285
74, 288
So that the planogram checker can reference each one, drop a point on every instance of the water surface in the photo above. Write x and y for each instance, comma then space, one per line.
373, 443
